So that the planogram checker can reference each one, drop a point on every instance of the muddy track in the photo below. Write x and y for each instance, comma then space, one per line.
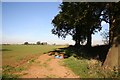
48, 67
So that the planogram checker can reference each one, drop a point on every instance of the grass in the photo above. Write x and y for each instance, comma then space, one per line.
79, 67
88, 68
18, 55
83, 67
9, 70
31, 61
12, 54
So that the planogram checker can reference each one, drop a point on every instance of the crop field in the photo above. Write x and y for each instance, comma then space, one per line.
14, 55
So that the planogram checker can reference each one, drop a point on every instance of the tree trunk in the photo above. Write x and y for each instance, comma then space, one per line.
112, 59
111, 34
111, 25
77, 43
77, 37
89, 39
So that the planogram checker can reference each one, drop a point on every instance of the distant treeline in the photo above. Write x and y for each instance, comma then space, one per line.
27, 43
37, 43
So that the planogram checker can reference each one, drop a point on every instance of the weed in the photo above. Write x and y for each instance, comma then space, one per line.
8, 72
31, 61
8, 68
6, 76
19, 69
79, 67
89, 68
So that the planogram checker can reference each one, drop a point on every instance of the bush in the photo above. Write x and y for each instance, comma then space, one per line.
38, 43
26, 43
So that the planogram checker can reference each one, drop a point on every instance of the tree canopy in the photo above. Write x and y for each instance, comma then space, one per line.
80, 20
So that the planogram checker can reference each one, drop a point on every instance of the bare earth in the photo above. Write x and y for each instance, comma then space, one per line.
48, 67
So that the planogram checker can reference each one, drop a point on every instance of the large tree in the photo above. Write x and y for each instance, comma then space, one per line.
80, 20
112, 16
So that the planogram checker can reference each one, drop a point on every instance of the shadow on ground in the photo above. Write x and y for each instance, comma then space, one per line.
5, 50
96, 52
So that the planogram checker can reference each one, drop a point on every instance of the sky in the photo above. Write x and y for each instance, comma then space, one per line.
0, 23
31, 22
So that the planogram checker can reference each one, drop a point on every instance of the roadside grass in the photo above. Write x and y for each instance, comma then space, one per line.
85, 68
79, 67
6, 76
9, 71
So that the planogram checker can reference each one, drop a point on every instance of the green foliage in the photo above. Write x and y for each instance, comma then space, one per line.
78, 20
38, 43
26, 43
111, 15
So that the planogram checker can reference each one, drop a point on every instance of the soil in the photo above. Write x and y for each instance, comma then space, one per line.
48, 67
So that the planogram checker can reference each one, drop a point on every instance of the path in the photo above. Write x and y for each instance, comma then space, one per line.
48, 67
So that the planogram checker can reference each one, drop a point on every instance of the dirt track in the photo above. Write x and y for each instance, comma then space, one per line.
48, 67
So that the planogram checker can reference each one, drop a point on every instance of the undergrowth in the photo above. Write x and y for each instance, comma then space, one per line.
9, 72
85, 68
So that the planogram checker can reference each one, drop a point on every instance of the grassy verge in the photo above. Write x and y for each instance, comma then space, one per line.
8, 71
89, 68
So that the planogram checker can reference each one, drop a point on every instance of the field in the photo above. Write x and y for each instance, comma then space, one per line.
14, 55
25, 60
15, 58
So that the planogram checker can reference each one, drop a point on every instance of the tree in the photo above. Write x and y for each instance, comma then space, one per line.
93, 20
113, 18
38, 43
26, 43
79, 20
66, 23
111, 15
105, 35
